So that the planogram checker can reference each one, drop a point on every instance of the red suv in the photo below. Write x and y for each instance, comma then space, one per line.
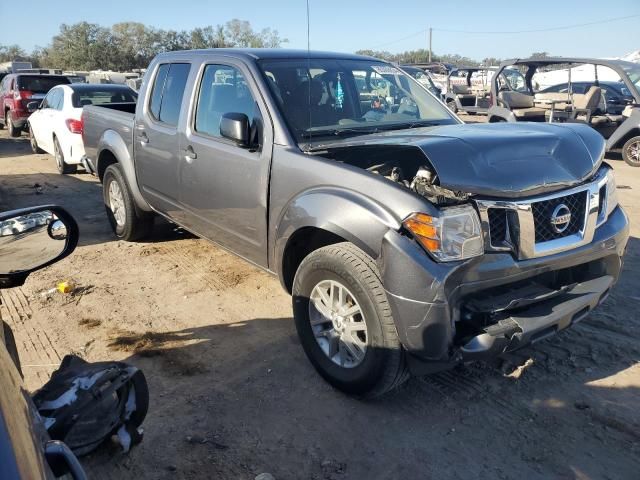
17, 90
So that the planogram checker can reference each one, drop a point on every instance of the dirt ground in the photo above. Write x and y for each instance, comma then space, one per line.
232, 394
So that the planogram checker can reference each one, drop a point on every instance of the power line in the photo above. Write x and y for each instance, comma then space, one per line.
539, 30
512, 32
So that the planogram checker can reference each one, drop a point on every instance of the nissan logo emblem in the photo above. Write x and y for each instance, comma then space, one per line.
560, 218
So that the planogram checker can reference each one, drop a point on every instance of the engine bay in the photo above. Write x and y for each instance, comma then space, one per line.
406, 166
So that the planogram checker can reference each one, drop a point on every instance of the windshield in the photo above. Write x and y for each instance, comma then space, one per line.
633, 72
40, 83
322, 97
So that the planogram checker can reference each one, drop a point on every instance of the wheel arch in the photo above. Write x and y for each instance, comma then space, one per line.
113, 149
322, 217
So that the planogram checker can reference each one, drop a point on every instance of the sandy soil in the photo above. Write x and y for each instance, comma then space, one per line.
232, 394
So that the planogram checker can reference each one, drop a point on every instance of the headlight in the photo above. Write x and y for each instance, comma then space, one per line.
612, 196
454, 234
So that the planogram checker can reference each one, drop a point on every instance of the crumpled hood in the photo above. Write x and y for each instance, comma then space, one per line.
502, 159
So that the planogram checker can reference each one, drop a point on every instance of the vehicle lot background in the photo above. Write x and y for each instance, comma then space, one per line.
232, 394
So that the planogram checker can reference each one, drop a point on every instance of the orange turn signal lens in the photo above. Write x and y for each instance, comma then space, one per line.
424, 229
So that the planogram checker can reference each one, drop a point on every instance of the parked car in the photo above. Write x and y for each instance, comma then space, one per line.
424, 78
26, 450
615, 95
17, 91
620, 128
15, 226
56, 126
409, 241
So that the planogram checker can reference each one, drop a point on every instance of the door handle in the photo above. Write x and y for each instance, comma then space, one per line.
189, 154
142, 136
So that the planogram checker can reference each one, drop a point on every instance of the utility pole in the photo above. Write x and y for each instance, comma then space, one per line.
430, 37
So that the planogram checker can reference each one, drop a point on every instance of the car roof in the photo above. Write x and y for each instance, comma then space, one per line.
267, 53
562, 60
81, 87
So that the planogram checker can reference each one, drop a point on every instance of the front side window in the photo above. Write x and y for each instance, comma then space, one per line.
52, 99
223, 90
328, 97
167, 93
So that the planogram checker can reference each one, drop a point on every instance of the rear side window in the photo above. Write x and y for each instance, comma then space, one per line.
39, 83
168, 90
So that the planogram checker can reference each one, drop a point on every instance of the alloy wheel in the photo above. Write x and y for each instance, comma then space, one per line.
633, 152
338, 323
116, 203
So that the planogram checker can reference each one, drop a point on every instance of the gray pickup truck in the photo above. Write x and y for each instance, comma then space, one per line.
409, 241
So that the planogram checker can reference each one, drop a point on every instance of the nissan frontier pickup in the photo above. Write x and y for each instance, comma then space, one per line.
409, 241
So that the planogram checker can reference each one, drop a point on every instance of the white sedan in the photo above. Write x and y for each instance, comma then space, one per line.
56, 126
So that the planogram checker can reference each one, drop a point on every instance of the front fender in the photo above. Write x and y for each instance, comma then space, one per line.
111, 141
353, 216
631, 124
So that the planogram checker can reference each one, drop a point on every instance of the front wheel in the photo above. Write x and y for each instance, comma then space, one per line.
631, 151
344, 321
32, 141
63, 167
127, 222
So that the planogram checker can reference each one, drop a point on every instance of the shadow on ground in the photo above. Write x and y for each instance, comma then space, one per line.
237, 408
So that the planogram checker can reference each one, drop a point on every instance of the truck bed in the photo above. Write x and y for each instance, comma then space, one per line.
98, 119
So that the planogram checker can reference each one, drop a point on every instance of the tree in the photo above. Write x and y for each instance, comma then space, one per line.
9, 53
132, 45
540, 55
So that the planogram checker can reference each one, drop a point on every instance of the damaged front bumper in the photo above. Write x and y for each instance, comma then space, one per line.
447, 313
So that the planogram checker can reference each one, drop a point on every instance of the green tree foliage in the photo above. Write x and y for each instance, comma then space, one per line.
9, 53
129, 45
419, 56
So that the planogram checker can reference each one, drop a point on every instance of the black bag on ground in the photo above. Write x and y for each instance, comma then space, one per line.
86, 403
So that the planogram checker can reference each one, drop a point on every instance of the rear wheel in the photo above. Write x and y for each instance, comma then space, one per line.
127, 221
63, 167
34, 144
631, 151
344, 321
13, 130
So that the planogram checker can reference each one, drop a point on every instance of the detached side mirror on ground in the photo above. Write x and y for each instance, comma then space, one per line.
235, 126
33, 238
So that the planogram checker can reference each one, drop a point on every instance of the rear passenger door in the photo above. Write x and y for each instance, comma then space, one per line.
224, 186
156, 139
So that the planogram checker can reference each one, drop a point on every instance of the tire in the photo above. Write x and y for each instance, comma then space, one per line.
129, 223
63, 167
382, 367
3, 119
451, 105
631, 151
13, 130
34, 144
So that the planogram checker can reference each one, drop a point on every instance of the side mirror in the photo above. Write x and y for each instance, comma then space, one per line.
235, 126
33, 106
33, 238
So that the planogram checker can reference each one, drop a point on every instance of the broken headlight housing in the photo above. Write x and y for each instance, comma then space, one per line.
454, 234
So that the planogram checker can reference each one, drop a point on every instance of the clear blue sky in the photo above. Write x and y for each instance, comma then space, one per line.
349, 25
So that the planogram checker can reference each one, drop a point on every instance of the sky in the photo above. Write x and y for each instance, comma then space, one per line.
350, 25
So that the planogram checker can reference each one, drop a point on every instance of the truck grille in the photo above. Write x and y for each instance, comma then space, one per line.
543, 211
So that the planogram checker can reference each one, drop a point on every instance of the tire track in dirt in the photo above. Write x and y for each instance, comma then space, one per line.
38, 354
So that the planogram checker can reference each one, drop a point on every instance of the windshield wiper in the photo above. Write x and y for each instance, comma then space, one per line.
339, 132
